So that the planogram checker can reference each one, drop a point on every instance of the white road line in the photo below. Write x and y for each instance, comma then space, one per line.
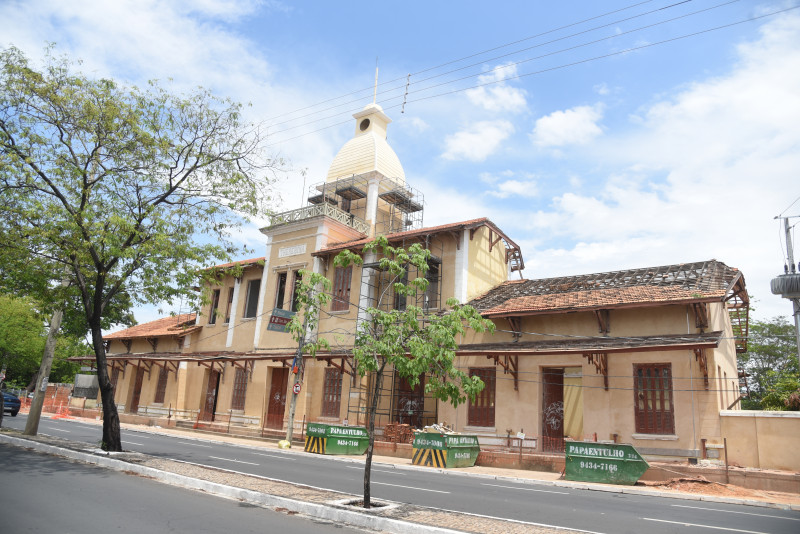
735, 512
195, 444
527, 489
409, 487
376, 470
60, 430
275, 456
704, 526
232, 460
132, 443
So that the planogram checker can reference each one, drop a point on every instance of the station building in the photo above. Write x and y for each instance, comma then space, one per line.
644, 356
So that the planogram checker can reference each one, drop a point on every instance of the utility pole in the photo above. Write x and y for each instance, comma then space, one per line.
788, 284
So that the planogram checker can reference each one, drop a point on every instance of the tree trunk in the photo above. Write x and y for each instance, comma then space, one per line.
112, 439
32, 425
373, 409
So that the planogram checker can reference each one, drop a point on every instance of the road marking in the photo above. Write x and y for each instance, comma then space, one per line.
232, 460
518, 522
527, 489
377, 470
704, 526
410, 487
132, 443
195, 444
60, 430
735, 512
275, 456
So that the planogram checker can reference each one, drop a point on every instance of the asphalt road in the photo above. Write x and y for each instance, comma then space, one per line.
591, 511
42, 493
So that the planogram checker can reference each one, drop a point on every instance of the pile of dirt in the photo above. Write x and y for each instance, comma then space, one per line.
701, 486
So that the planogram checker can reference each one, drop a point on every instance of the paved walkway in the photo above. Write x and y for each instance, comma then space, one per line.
330, 505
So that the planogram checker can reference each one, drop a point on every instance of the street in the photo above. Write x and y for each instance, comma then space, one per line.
43, 493
593, 511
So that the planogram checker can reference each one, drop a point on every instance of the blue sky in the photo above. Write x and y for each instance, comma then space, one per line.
606, 144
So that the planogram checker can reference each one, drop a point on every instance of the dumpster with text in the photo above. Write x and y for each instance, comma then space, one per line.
445, 450
609, 463
333, 439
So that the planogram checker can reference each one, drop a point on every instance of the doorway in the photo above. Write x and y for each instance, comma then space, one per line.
210, 404
553, 409
277, 397
409, 404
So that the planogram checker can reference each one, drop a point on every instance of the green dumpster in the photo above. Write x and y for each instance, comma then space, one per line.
445, 450
609, 463
335, 439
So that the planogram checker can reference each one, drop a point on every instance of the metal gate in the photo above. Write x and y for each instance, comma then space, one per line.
553, 410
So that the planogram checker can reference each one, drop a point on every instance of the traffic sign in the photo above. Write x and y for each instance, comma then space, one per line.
609, 463
296, 388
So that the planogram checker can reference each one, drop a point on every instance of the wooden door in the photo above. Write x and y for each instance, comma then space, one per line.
277, 397
137, 390
210, 404
553, 410
410, 403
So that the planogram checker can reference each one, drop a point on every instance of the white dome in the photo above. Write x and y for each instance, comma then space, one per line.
368, 150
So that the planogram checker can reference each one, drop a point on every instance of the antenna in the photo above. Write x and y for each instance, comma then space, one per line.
375, 92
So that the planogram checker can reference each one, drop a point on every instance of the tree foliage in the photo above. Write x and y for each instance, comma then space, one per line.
772, 367
119, 190
410, 340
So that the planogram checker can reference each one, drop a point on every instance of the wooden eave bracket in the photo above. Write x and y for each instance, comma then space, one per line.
700, 315
493, 241
118, 364
128, 343
702, 359
245, 365
510, 365
516, 327
600, 361
211, 364
341, 365
603, 321
153, 342
168, 365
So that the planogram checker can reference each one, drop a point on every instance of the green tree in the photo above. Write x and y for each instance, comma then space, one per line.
118, 189
408, 340
771, 365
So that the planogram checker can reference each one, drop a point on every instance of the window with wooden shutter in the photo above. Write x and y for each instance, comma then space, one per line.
653, 404
341, 288
331, 392
251, 302
481, 411
239, 389
212, 314
161, 388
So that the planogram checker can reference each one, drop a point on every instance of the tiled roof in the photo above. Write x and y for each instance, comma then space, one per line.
168, 326
699, 281
243, 263
399, 236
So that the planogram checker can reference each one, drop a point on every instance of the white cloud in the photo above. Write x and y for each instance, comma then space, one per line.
477, 142
498, 96
576, 126
707, 170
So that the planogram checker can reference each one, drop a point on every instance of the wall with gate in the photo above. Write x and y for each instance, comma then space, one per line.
762, 439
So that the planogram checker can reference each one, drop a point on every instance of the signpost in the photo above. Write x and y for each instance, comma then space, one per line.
279, 319
608, 463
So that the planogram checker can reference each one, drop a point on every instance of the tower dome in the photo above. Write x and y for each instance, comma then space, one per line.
368, 150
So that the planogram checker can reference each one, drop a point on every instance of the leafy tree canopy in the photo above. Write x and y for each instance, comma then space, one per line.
772, 367
115, 189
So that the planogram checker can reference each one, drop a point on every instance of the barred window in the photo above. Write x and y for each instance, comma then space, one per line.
161, 388
239, 389
331, 392
341, 288
653, 404
212, 313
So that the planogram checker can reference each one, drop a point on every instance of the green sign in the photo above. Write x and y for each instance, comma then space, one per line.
279, 319
445, 450
608, 463
332, 439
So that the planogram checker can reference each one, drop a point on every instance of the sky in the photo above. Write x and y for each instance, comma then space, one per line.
599, 136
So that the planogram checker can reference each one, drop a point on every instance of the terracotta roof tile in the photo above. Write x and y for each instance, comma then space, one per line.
168, 326
397, 236
243, 263
709, 280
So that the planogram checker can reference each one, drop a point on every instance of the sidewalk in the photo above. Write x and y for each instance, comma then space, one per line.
325, 504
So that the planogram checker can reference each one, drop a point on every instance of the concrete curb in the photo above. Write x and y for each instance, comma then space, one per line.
319, 511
